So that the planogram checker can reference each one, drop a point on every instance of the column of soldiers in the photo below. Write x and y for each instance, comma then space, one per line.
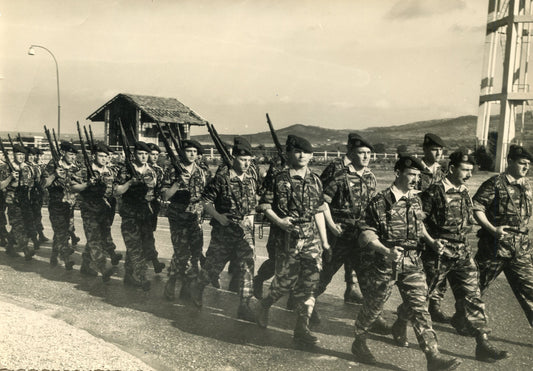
412, 234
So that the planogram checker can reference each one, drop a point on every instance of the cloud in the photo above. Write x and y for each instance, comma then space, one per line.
410, 9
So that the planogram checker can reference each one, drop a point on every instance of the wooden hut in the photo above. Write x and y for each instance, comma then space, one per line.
140, 113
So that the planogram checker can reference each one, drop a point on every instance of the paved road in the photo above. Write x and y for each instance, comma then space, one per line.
51, 318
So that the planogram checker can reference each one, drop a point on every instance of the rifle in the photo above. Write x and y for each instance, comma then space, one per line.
176, 141
53, 150
172, 156
127, 152
228, 161
91, 133
13, 150
279, 148
6, 157
20, 140
86, 159
55, 140
89, 141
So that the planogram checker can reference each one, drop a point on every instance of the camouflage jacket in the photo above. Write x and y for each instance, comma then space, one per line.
18, 191
135, 201
60, 190
428, 177
188, 196
105, 182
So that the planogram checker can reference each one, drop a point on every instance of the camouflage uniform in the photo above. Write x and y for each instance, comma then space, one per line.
61, 207
156, 203
506, 203
137, 216
97, 203
450, 218
36, 200
399, 223
299, 258
237, 200
3, 219
185, 217
18, 209
348, 194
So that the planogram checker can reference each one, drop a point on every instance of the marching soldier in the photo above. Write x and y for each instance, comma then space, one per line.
16, 185
96, 202
3, 219
449, 212
61, 202
184, 214
36, 195
230, 198
295, 203
155, 151
137, 191
393, 229
502, 206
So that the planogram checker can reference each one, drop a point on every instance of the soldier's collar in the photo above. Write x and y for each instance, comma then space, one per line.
64, 164
448, 185
511, 179
433, 168
348, 163
398, 194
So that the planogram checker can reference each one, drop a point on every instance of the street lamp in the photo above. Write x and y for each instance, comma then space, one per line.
31, 51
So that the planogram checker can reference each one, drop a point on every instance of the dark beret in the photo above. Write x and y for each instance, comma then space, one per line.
241, 147
187, 143
355, 140
142, 146
296, 142
408, 162
17, 148
68, 147
460, 156
154, 147
517, 152
433, 140
109, 149
101, 147
33, 151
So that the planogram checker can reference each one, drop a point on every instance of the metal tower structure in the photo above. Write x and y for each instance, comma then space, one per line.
505, 71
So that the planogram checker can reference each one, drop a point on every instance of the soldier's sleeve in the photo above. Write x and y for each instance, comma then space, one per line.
168, 178
4, 172
329, 182
484, 195
267, 194
48, 170
212, 189
123, 175
428, 198
372, 186
369, 226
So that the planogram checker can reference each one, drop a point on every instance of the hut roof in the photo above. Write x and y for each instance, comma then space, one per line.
157, 109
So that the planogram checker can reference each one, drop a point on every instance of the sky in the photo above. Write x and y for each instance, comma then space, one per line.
340, 64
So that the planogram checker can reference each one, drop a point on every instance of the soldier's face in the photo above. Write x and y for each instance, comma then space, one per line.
298, 158
518, 168
459, 174
154, 156
19, 157
69, 157
433, 153
407, 179
191, 154
142, 157
31, 158
241, 164
360, 156
102, 158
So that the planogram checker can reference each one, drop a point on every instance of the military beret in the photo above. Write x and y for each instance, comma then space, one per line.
101, 147
241, 147
33, 151
355, 140
408, 162
517, 152
433, 140
142, 146
109, 149
154, 147
68, 147
296, 142
461, 155
17, 148
187, 143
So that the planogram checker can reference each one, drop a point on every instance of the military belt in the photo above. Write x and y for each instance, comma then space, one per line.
517, 230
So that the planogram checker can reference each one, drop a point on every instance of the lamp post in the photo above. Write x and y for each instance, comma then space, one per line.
31, 51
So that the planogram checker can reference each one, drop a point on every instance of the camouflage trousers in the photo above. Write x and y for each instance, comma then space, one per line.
226, 241
463, 275
37, 218
275, 238
517, 269
18, 236
138, 237
187, 240
60, 218
378, 280
298, 265
156, 208
344, 252
97, 228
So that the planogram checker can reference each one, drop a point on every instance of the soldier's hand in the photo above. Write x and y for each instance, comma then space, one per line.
500, 231
327, 254
92, 181
223, 220
336, 230
395, 254
286, 224
60, 172
438, 246
15, 175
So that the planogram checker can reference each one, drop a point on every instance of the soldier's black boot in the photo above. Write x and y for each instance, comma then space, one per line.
10, 250
399, 333
42, 237
351, 295
170, 288
302, 335
36, 243
87, 270
234, 283
436, 361
69, 263
437, 315
185, 293
53, 260
158, 266
380, 326
361, 352
196, 289
290, 302
487, 352
315, 317
245, 312
258, 287
3, 242
115, 258
261, 311
106, 274
145, 284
